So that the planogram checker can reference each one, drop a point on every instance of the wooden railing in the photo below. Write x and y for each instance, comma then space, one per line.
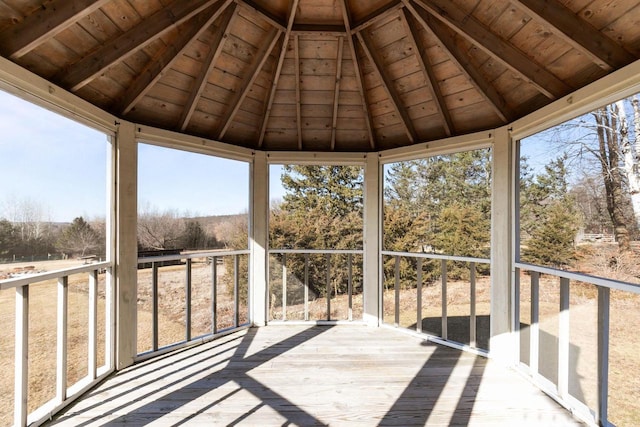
560, 391
64, 393
285, 254
214, 258
444, 337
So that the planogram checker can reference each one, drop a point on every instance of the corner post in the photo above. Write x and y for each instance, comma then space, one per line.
259, 238
372, 233
501, 344
126, 256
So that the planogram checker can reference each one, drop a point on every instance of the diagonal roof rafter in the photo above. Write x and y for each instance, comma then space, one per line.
346, 17
293, 6
221, 35
448, 43
576, 32
378, 64
158, 66
423, 61
259, 60
49, 21
475, 32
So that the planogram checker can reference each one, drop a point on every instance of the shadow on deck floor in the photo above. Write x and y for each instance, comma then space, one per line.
316, 375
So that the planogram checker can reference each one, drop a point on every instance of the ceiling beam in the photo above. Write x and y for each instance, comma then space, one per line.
222, 33
319, 29
580, 34
336, 92
273, 20
387, 84
259, 59
420, 50
346, 17
129, 42
293, 6
482, 37
296, 66
447, 41
385, 11
157, 66
44, 24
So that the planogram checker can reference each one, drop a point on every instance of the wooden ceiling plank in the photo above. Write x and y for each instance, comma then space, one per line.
315, 29
221, 35
296, 53
387, 84
260, 59
274, 21
45, 24
158, 66
448, 44
385, 11
336, 93
580, 34
474, 31
293, 6
86, 69
423, 61
346, 17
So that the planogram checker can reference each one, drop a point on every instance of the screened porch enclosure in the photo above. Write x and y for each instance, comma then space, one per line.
254, 332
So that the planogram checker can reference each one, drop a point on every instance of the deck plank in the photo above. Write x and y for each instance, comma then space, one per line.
316, 375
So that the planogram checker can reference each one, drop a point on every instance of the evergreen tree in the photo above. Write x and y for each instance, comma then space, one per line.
79, 238
549, 219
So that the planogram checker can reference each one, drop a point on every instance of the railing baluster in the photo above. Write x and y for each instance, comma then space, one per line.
306, 286
563, 339
328, 256
350, 285
61, 341
187, 298
419, 295
214, 295
534, 327
92, 353
109, 321
472, 304
443, 269
284, 286
396, 288
516, 316
154, 308
236, 290
602, 405
21, 377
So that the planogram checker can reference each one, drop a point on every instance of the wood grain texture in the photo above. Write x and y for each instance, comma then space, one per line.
317, 375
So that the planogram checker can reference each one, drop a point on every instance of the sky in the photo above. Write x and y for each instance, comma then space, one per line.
60, 167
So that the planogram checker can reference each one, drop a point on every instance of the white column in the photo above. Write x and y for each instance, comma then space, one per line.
126, 256
259, 239
372, 233
501, 345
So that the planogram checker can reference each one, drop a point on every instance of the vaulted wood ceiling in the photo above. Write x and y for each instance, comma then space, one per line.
321, 75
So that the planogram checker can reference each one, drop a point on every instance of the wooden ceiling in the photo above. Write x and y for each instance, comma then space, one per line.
321, 75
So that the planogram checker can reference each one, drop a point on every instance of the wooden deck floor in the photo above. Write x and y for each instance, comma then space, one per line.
301, 375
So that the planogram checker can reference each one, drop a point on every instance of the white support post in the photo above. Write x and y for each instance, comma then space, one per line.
259, 239
61, 342
92, 350
21, 375
502, 345
372, 231
126, 258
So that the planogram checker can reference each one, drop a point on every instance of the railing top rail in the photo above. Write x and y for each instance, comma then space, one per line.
193, 255
42, 277
437, 256
581, 277
316, 251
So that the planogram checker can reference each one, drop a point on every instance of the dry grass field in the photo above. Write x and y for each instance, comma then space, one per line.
625, 321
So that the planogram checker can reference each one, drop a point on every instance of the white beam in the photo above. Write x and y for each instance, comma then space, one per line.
372, 241
126, 259
501, 344
259, 239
